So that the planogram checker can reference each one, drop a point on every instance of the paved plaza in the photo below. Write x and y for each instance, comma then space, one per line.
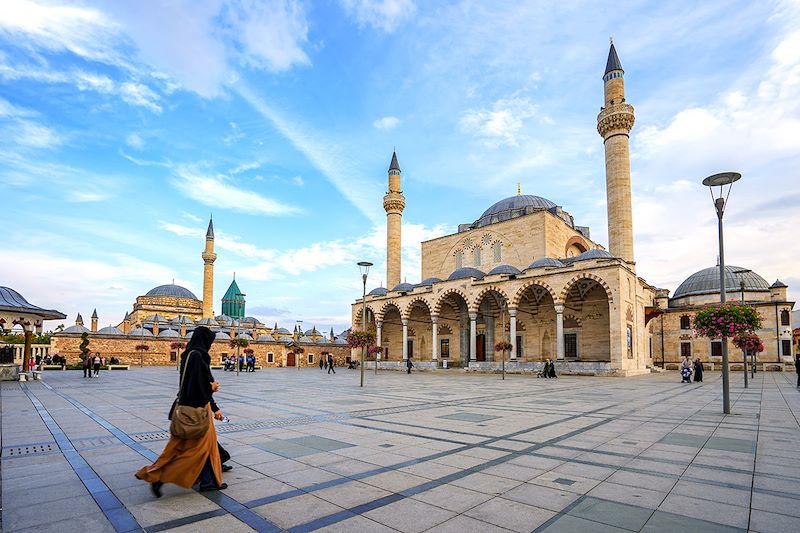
442, 451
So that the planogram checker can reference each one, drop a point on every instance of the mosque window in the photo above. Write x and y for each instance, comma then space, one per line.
459, 260
686, 322
477, 256
786, 347
270, 358
311, 359
716, 348
686, 349
498, 252
785, 321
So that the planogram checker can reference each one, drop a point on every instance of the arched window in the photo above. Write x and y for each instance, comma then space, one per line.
477, 254
459, 260
498, 252
785, 321
686, 322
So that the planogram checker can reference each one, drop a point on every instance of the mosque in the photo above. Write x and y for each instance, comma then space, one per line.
524, 272
163, 319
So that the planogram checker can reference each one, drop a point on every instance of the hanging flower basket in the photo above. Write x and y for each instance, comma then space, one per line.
502, 346
142, 347
728, 320
299, 350
358, 339
749, 342
372, 350
248, 351
177, 345
243, 343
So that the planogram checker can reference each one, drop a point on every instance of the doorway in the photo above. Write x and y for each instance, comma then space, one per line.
290, 359
480, 347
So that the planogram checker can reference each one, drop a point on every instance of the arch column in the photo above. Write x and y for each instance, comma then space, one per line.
559, 331
378, 328
434, 338
512, 331
473, 336
405, 339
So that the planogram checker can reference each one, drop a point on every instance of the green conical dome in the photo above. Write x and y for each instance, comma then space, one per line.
233, 301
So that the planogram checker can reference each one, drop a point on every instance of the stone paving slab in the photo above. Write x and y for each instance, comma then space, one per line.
434, 452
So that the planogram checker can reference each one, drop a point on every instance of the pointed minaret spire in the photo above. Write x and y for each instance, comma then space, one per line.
94, 313
393, 203
394, 165
210, 230
613, 60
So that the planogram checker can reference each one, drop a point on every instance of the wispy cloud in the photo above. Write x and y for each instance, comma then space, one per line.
140, 95
386, 123
385, 15
502, 123
134, 140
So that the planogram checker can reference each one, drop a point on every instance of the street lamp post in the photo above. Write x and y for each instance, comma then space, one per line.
744, 350
721, 180
363, 266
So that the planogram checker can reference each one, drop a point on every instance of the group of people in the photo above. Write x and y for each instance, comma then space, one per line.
92, 364
197, 461
548, 370
689, 367
327, 362
247, 363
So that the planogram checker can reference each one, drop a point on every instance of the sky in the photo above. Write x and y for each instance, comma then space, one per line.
125, 125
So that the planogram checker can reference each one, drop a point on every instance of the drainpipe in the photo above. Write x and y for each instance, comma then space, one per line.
662, 340
777, 332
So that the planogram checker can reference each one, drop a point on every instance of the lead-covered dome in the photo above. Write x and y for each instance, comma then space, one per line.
513, 206
504, 269
173, 290
466, 272
378, 291
595, 253
706, 281
546, 262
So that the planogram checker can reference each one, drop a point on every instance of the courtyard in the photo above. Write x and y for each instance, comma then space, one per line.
440, 451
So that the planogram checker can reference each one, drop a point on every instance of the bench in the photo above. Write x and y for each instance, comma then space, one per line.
51, 367
119, 367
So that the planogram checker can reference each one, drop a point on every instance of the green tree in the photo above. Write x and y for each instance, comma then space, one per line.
84, 346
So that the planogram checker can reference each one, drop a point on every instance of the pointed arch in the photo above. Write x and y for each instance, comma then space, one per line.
385, 307
515, 301
586, 275
476, 301
437, 307
406, 314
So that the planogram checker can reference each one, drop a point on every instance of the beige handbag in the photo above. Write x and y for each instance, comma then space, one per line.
187, 422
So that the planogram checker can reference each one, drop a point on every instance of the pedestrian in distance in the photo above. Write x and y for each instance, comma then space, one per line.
686, 371
797, 368
698, 371
87, 366
552, 371
409, 365
186, 461
330, 364
321, 363
96, 362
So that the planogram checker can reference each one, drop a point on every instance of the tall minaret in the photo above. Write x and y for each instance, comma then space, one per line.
208, 272
614, 123
394, 202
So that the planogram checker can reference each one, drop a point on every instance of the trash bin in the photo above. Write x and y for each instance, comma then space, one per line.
444, 363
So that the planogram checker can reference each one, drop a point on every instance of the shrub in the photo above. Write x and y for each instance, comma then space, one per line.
727, 320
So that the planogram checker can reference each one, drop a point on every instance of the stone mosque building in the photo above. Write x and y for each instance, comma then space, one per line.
525, 272
163, 319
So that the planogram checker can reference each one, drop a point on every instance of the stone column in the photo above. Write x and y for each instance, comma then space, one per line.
405, 339
473, 336
559, 331
434, 338
490, 336
512, 313
378, 330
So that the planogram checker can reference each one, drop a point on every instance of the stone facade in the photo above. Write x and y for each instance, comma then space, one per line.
166, 306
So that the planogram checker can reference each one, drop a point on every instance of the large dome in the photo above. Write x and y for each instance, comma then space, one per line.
706, 281
173, 290
513, 206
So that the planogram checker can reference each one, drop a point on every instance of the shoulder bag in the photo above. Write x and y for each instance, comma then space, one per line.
187, 422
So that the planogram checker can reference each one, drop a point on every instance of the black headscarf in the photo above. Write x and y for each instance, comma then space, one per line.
195, 369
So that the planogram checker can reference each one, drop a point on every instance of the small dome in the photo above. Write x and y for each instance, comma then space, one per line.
378, 291
208, 322
341, 341
221, 335
178, 320
466, 272
778, 285
428, 282
265, 338
312, 331
504, 269
285, 339
169, 333
404, 287
244, 336
306, 340
513, 206
110, 330
171, 290
156, 318
282, 331
76, 329
139, 332
223, 320
546, 262
706, 281
590, 254
251, 320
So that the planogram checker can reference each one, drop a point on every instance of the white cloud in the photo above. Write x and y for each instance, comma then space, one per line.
386, 123
141, 95
272, 33
384, 15
219, 192
244, 167
7, 109
234, 136
134, 140
501, 123
36, 135
298, 180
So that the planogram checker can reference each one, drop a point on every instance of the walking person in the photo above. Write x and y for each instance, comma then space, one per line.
698, 371
552, 371
409, 365
330, 364
321, 362
185, 462
797, 368
686, 371
87, 366
96, 361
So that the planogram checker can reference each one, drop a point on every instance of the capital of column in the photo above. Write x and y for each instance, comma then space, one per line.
435, 319
378, 323
512, 311
473, 316
559, 308
404, 321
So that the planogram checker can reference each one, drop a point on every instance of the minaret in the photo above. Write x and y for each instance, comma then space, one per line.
394, 202
79, 320
614, 123
208, 272
94, 321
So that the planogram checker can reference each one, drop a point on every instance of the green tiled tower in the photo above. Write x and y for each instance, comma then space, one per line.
233, 301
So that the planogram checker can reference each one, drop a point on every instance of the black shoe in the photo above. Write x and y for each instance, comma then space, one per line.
227, 468
155, 488
206, 488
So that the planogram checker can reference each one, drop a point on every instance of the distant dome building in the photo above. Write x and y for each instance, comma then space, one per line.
169, 301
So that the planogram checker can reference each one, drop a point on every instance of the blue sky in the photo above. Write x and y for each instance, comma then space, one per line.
124, 125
